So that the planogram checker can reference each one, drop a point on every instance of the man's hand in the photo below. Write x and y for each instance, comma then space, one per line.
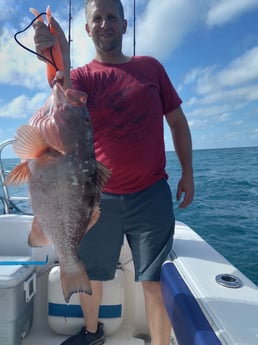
186, 186
44, 39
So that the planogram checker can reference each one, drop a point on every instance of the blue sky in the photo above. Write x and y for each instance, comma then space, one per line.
208, 47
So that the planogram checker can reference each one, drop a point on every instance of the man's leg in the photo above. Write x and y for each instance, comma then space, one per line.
90, 306
157, 318
93, 332
149, 229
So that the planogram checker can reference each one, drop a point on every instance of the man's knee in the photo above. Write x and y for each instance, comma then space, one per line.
151, 287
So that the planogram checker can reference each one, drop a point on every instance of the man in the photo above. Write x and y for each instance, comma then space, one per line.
127, 98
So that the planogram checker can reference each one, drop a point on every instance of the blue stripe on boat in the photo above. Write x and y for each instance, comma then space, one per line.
189, 323
66, 310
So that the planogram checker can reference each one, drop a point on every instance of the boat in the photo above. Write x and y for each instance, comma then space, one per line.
208, 300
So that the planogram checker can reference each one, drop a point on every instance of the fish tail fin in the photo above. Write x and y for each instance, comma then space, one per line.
75, 281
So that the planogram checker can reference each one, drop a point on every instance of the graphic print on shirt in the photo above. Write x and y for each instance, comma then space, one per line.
127, 114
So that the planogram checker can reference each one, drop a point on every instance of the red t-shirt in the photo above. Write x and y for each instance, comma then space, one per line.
127, 102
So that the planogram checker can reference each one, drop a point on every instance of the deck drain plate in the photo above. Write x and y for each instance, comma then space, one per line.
229, 281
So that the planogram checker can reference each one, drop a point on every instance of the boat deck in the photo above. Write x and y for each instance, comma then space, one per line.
42, 335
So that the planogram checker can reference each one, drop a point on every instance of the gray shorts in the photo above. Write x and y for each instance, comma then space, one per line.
147, 220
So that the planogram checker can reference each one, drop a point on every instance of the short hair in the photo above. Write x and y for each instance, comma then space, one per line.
117, 2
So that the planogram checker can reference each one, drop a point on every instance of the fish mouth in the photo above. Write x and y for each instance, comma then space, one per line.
72, 97
58, 85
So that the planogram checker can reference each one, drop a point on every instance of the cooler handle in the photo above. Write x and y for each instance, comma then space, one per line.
30, 287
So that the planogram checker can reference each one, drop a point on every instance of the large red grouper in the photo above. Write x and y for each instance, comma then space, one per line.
65, 180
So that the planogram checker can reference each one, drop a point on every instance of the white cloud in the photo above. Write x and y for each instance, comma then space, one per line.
22, 106
223, 98
23, 68
160, 28
163, 26
218, 93
241, 70
20, 67
209, 111
197, 123
224, 117
82, 49
7, 8
235, 95
236, 82
224, 11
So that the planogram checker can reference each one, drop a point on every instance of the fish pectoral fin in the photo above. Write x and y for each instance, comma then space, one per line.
94, 217
74, 281
36, 236
18, 175
29, 143
103, 174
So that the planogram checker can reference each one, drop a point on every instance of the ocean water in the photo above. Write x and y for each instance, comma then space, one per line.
225, 208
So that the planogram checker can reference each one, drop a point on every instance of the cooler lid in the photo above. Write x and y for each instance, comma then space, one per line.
12, 275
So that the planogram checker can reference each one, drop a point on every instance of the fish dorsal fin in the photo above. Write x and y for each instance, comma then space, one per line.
18, 175
103, 174
36, 236
29, 143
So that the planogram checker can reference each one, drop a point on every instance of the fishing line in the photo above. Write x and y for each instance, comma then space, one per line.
32, 51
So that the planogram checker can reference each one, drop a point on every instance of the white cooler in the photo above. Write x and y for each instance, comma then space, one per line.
67, 319
17, 288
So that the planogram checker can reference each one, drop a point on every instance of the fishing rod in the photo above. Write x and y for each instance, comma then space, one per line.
70, 22
134, 26
70, 26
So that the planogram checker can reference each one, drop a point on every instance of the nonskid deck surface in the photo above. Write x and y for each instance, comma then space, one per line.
43, 335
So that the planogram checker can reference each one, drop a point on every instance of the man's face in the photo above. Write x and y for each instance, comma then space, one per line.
105, 25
